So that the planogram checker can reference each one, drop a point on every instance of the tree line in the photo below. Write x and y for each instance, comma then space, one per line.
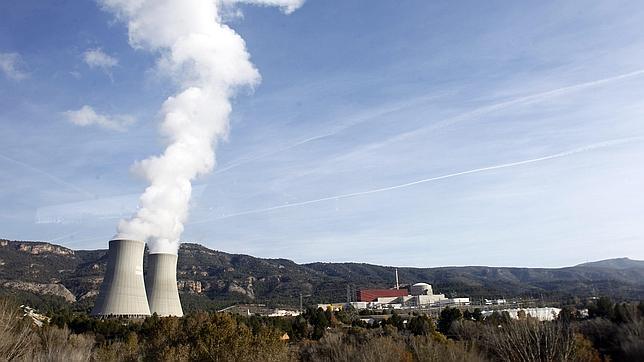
610, 331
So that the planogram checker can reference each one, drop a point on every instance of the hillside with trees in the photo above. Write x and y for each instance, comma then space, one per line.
210, 279
611, 332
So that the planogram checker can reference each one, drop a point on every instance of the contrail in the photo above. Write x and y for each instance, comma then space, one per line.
49, 176
537, 97
533, 98
337, 129
587, 148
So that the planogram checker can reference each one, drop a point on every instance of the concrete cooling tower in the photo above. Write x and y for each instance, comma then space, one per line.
123, 290
161, 281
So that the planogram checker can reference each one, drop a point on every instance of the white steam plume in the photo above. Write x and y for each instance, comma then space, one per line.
209, 62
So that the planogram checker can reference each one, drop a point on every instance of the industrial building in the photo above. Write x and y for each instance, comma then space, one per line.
123, 291
372, 295
419, 295
542, 314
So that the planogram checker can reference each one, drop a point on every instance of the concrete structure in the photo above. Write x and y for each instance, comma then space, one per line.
284, 313
387, 300
161, 281
455, 301
421, 289
123, 290
495, 301
542, 314
420, 295
431, 299
370, 295
334, 307
359, 305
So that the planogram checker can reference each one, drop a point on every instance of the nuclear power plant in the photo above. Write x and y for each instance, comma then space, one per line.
123, 292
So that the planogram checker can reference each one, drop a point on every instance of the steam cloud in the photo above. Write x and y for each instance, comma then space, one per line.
209, 62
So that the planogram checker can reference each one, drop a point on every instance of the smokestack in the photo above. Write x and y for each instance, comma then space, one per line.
397, 284
161, 281
123, 290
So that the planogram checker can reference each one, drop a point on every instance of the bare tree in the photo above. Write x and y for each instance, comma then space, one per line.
530, 340
16, 335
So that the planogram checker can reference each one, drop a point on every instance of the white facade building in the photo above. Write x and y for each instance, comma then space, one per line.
542, 314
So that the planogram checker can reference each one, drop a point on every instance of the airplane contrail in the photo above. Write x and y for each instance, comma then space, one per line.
50, 176
574, 151
537, 97
335, 130
533, 98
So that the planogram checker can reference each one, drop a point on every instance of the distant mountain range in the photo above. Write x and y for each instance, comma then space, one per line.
210, 279
619, 263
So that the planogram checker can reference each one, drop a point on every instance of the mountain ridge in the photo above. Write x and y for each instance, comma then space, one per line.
614, 263
208, 276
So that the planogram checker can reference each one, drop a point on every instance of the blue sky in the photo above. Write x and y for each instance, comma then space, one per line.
357, 98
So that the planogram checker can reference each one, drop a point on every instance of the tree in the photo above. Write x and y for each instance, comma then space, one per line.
421, 325
565, 315
530, 340
319, 321
396, 321
477, 315
447, 317
16, 336
603, 308
497, 318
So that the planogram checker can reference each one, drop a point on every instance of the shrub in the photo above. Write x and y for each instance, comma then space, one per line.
529, 340
16, 335
60, 344
430, 349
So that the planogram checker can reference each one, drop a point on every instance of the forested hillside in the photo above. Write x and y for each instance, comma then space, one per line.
210, 279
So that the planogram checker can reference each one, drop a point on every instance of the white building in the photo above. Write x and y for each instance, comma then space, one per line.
454, 301
542, 314
284, 313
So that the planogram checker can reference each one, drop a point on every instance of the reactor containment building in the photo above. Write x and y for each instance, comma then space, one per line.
123, 292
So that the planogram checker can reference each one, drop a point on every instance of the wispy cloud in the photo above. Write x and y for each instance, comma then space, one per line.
494, 107
471, 114
288, 6
11, 65
86, 116
586, 148
96, 58
48, 175
349, 121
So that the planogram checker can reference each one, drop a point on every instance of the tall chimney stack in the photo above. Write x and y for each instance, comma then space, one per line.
123, 290
161, 281
397, 284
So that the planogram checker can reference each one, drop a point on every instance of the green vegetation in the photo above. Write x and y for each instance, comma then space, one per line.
613, 332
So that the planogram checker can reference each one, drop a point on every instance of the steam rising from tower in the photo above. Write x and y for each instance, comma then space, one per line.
209, 62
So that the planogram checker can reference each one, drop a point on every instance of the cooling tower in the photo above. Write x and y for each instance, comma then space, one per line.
123, 290
161, 281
